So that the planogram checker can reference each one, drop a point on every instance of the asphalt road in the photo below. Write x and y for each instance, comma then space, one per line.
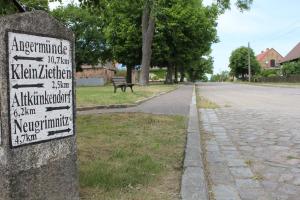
275, 99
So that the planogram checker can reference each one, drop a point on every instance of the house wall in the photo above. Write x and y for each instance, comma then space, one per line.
104, 74
96, 73
271, 54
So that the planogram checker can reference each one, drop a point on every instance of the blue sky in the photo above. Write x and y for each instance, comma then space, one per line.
269, 23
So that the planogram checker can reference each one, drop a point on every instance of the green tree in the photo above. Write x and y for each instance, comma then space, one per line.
220, 77
123, 33
152, 8
238, 63
90, 44
184, 34
122, 29
149, 12
8, 7
199, 69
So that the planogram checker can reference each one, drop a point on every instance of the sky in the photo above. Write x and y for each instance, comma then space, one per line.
269, 24
53, 5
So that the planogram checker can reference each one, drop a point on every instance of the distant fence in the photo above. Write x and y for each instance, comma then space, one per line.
280, 79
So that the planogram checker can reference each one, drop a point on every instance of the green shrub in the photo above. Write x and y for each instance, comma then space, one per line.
269, 72
159, 73
291, 68
272, 75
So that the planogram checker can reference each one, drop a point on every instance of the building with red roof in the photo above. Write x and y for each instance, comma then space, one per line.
269, 59
293, 55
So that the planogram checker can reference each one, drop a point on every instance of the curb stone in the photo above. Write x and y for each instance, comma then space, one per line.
193, 184
112, 106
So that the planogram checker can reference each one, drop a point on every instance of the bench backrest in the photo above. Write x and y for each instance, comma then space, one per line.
118, 80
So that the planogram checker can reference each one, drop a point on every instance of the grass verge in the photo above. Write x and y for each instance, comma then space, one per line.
205, 103
284, 85
130, 156
95, 96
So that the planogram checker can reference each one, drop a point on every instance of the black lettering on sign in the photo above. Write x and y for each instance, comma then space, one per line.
40, 88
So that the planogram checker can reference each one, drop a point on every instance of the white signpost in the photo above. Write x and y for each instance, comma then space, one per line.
40, 88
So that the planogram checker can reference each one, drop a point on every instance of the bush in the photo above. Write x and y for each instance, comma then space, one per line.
269, 72
153, 77
256, 78
291, 68
159, 73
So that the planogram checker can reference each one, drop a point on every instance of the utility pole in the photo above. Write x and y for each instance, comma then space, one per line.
249, 63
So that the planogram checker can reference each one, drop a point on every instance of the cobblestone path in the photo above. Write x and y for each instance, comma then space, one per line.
252, 149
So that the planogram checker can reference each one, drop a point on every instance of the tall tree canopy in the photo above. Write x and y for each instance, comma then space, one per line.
238, 62
123, 29
184, 34
123, 32
148, 27
90, 44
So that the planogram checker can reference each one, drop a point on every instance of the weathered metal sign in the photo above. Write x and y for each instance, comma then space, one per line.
40, 88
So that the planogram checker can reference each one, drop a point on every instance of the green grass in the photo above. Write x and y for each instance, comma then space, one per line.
94, 96
205, 103
288, 85
293, 158
130, 156
258, 177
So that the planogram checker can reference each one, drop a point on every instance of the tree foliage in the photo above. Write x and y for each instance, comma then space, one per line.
199, 69
220, 77
291, 68
123, 32
241, 4
269, 72
184, 34
238, 62
90, 44
7, 6
122, 29
183, 31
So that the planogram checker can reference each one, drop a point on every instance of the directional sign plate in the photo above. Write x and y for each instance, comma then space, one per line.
40, 88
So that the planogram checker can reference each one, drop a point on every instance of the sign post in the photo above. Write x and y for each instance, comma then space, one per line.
38, 145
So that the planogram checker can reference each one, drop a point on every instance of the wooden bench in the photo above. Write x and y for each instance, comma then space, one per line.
120, 82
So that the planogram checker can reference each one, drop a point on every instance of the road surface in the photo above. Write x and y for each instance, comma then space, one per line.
252, 141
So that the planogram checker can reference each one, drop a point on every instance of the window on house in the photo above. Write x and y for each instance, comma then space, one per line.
272, 63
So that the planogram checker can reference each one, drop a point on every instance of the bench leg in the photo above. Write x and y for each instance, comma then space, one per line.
123, 89
115, 89
131, 89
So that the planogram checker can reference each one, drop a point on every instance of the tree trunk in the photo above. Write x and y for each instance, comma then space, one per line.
129, 74
175, 74
181, 74
169, 77
148, 25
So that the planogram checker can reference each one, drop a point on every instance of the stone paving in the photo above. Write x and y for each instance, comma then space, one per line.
252, 151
